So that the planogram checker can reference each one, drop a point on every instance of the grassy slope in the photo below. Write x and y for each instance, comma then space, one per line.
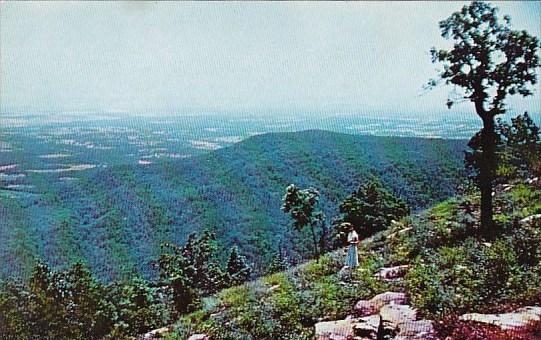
115, 218
469, 275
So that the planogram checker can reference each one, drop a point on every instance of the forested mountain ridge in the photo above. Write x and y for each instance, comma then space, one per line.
115, 218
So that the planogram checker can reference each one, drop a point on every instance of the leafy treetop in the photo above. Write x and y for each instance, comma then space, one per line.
488, 59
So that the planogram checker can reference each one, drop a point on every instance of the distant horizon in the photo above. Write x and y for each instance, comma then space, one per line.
256, 58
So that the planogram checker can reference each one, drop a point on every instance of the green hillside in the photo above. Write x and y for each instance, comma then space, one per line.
115, 218
451, 272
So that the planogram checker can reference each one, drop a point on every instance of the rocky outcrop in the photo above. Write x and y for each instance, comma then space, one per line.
523, 320
384, 316
372, 306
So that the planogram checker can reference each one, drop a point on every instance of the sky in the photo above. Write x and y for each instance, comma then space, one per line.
260, 57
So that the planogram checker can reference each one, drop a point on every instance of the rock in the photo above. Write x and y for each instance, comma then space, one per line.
199, 337
393, 273
400, 322
536, 181
527, 319
345, 273
367, 327
392, 315
273, 288
372, 306
334, 330
528, 220
401, 231
405, 230
420, 329
157, 333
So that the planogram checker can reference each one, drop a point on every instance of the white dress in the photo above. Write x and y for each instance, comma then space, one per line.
352, 259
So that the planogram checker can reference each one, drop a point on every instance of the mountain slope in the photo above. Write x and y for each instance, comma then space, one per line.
115, 218
447, 270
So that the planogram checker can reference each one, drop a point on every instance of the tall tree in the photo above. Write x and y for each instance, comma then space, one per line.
301, 205
487, 62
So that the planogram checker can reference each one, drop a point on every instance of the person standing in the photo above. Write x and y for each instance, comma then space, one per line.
352, 259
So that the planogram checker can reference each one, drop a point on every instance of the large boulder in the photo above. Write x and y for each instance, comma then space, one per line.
335, 330
372, 306
526, 320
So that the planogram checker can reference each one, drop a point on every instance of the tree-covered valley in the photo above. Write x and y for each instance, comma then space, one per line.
115, 218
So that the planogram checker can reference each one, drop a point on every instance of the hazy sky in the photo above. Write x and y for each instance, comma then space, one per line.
267, 57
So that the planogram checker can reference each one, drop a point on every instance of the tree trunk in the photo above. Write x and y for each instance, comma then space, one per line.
323, 239
314, 238
486, 174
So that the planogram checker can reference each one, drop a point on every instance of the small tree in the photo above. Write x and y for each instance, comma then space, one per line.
369, 209
138, 306
518, 150
278, 263
301, 205
488, 62
523, 141
176, 272
237, 268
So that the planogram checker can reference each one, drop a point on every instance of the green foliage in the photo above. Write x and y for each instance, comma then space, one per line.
285, 305
455, 272
69, 304
466, 278
237, 268
370, 209
522, 145
301, 205
12, 321
278, 263
518, 151
474, 62
139, 307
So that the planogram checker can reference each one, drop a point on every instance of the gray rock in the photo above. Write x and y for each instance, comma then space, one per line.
367, 327
334, 330
536, 181
420, 329
199, 337
527, 319
400, 322
393, 315
393, 273
372, 306
157, 333
528, 220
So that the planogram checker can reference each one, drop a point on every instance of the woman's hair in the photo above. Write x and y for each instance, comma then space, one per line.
348, 226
